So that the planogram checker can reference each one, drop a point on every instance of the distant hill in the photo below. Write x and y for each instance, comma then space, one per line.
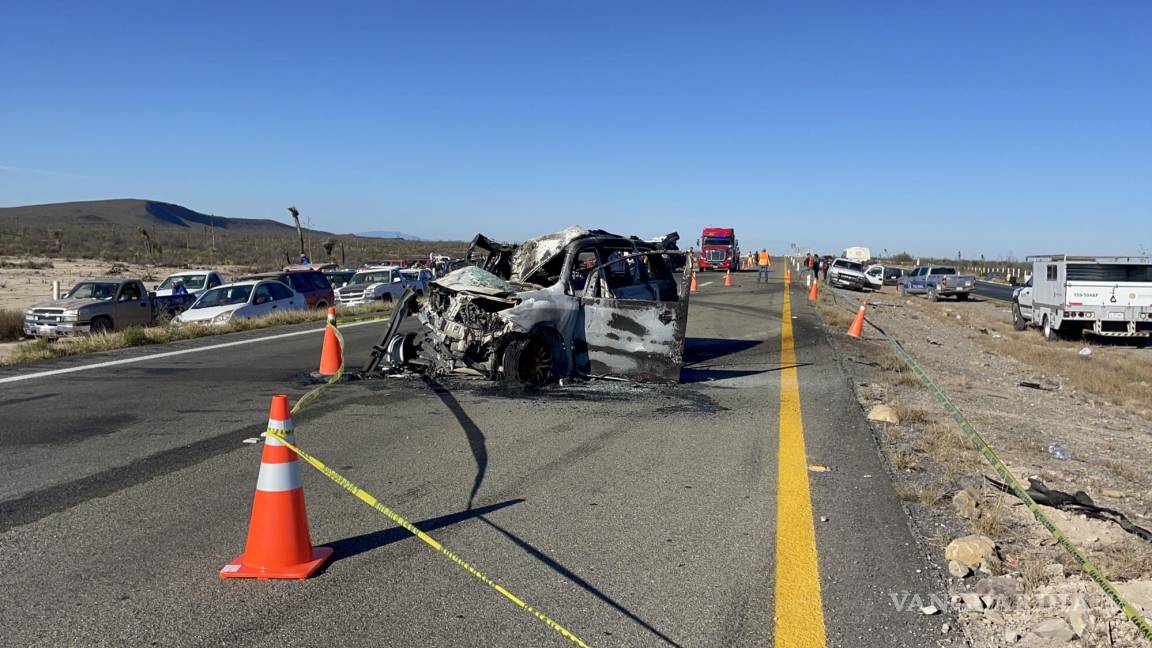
159, 232
133, 213
389, 235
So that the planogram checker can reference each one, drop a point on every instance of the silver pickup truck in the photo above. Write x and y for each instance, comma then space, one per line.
936, 282
101, 304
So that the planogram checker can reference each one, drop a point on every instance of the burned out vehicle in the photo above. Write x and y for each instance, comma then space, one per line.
578, 302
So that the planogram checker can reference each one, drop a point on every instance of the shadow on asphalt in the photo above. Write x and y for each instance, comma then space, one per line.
480, 454
703, 349
690, 375
356, 545
476, 441
570, 575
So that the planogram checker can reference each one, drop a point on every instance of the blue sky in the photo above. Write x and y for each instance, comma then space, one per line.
981, 126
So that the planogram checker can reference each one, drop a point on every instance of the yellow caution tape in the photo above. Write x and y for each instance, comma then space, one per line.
368, 499
429, 540
1018, 488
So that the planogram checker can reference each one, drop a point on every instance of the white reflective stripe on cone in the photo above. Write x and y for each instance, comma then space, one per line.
278, 477
280, 425
273, 440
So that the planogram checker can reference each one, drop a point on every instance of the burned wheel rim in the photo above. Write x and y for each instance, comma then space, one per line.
401, 349
529, 361
536, 362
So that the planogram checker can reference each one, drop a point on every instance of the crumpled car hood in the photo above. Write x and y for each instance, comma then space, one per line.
476, 280
70, 304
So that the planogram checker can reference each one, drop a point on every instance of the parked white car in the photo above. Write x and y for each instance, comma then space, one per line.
242, 300
195, 282
874, 276
385, 283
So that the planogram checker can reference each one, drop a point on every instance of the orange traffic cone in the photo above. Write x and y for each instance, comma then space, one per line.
787, 278
814, 293
331, 356
728, 279
692, 287
857, 327
279, 545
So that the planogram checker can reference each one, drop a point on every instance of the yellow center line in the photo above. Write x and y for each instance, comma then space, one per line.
799, 606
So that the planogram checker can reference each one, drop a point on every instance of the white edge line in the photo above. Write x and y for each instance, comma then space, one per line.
706, 283
169, 354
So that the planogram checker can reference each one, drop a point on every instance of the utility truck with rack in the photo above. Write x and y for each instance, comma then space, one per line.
1071, 296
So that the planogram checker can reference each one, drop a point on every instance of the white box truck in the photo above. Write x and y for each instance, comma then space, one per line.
1070, 296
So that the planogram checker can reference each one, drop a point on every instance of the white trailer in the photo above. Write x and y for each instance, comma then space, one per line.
1069, 296
857, 254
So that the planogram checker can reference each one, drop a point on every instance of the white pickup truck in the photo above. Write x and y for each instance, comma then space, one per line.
1070, 296
384, 283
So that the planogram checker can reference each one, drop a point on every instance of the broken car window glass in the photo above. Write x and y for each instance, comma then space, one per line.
584, 262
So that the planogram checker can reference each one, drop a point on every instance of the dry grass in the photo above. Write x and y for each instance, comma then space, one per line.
1123, 560
834, 316
903, 460
991, 520
140, 336
1117, 374
932, 493
909, 415
1124, 470
26, 264
11, 325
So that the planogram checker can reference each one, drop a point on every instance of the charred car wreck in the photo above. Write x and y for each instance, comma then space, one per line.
578, 302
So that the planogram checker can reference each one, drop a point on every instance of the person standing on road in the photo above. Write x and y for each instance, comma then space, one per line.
762, 261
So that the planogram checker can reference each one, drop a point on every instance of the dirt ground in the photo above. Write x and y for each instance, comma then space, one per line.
25, 281
1096, 408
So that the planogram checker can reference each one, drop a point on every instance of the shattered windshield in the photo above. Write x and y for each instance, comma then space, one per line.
370, 278
717, 240
191, 282
93, 290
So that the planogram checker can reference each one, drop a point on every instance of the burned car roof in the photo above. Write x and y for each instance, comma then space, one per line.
535, 253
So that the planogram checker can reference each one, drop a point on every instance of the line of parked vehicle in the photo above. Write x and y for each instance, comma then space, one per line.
204, 297
933, 281
1066, 297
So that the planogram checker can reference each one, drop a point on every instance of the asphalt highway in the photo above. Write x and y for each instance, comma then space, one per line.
991, 290
633, 515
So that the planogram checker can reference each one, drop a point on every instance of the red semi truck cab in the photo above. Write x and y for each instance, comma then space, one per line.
719, 249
